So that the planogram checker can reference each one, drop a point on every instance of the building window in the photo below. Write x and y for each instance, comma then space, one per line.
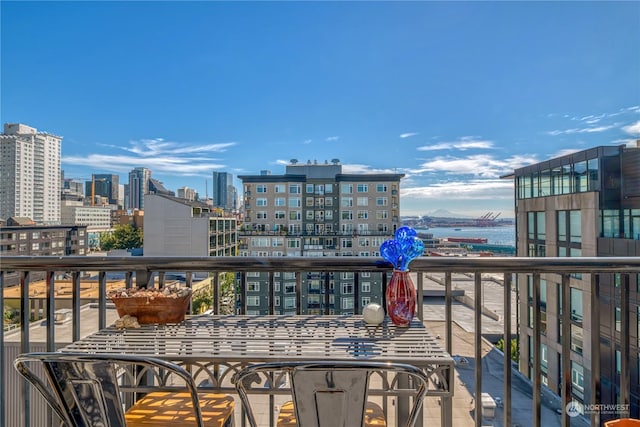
363, 214
346, 189
347, 215
362, 188
253, 301
261, 188
382, 214
347, 303
382, 201
295, 202
362, 201
381, 188
577, 338
289, 303
610, 223
309, 188
294, 189
261, 215
280, 201
261, 202
279, 188
618, 319
346, 202
577, 380
576, 305
280, 215
365, 286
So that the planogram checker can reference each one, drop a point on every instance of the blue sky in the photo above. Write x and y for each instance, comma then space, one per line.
452, 94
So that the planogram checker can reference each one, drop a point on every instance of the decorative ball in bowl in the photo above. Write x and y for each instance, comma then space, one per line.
373, 314
167, 305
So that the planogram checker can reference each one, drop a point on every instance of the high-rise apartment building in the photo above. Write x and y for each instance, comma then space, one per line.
315, 210
187, 193
224, 193
105, 185
30, 181
582, 204
138, 187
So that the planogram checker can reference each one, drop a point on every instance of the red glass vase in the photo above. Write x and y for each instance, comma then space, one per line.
401, 298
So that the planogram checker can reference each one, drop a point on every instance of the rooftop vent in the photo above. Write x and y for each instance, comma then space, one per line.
294, 161
335, 161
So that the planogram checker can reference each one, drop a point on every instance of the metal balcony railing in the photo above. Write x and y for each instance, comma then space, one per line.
509, 268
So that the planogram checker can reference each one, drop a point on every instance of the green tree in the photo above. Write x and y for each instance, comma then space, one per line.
514, 348
122, 237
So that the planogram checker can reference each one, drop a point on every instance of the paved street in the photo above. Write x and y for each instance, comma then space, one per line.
493, 360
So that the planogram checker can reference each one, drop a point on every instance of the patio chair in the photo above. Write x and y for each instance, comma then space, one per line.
330, 394
87, 390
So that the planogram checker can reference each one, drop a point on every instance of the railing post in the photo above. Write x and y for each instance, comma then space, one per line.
420, 295
327, 293
447, 313
102, 300
75, 305
447, 403
3, 391
298, 292
243, 293
624, 345
507, 349
595, 347
25, 310
477, 315
51, 308
537, 325
216, 292
565, 393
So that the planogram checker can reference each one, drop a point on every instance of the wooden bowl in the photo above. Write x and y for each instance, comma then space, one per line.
153, 310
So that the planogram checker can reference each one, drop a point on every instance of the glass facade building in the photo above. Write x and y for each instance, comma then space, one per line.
582, 204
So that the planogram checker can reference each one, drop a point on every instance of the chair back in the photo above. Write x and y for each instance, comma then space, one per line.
85, 390
329, 394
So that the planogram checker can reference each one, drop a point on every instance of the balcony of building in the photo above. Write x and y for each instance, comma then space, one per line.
519, 401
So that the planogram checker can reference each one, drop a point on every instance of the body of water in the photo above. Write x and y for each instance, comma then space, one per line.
505, 235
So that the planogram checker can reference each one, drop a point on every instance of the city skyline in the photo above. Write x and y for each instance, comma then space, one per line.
451, 94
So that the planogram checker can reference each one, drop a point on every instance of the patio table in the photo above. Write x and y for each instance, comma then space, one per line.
219, 345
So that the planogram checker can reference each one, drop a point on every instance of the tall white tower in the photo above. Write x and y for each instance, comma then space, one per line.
30, 174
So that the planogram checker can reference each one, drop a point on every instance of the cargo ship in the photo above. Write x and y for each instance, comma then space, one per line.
466, 239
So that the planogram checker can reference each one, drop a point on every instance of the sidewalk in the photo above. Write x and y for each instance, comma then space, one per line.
492, 383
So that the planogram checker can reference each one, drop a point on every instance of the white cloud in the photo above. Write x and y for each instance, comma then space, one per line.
158, 165
408, 134
307, 141
564, 152
332, 138
356, 168
632, 129
157, 146
158, 155
464, 143
490, 189
481, 165
581, 130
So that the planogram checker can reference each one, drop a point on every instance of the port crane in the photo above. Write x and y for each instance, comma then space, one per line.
487, 220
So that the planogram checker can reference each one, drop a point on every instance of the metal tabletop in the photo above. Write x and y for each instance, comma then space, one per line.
235, 340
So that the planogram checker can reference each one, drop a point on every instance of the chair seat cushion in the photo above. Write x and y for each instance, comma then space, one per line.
175, 409
374, 415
